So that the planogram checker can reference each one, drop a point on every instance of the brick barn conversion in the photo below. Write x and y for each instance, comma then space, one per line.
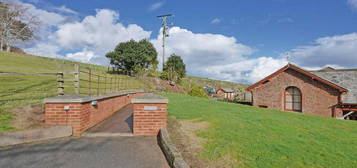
327, 92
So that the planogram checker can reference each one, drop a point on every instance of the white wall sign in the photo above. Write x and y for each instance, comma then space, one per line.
150, 108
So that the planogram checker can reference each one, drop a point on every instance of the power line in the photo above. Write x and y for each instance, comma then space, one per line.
165, 34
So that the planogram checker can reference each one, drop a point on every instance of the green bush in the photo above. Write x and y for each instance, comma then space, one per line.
197, 92
170, 76
174, 69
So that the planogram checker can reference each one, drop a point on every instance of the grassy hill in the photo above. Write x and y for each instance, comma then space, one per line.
20, 90
202, 82
245, 136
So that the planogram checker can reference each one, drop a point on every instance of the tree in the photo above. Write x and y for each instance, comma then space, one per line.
174, 69
16, 24
132, 57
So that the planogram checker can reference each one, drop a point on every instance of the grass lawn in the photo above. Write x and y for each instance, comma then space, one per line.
256, 137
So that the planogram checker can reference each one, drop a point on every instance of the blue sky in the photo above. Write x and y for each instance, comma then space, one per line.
249, 37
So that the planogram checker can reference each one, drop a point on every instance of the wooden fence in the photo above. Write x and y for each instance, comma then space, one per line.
87, 81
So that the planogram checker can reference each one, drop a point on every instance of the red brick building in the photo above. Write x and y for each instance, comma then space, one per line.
327, 92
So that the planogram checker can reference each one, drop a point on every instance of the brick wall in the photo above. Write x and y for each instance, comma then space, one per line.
317, 98
148, 121
82, 116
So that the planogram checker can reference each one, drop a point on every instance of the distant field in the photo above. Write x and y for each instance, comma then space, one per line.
245, 136
202, 82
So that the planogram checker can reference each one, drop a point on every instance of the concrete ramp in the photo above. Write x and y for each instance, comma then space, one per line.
119, 124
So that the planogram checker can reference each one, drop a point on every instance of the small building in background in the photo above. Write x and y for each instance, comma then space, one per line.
226, 93
211, 92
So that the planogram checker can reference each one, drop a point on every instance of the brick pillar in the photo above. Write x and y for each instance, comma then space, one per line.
149, 115
65, 110
338, 112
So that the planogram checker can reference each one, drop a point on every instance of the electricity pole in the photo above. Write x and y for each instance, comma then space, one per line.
165, 34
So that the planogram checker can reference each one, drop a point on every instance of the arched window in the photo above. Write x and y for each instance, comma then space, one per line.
293, 99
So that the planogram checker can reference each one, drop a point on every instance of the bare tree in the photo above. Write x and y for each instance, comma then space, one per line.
16, 24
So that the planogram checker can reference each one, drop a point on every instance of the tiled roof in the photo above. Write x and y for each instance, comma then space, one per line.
227, 90
302, 71
346, 78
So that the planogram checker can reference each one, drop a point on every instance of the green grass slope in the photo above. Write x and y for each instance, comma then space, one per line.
256, 137
202, 82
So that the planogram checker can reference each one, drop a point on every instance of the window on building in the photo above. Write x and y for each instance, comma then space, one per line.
293, 99
262, 106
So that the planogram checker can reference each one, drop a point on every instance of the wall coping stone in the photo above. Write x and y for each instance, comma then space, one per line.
85, 99
150, 98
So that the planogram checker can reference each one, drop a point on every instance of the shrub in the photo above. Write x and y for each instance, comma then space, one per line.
174, 69
198, 92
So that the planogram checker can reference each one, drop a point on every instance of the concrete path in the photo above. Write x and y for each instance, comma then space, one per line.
119, 122
114, 152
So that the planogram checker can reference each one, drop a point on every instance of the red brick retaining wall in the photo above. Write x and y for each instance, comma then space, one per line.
82, 115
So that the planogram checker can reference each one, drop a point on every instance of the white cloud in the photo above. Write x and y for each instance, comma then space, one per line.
102, 30
64, 9
83, 56
340, 50
43, 46
215, 21
203, 49
202, 52
248, 70
99, 34
46, 18
156, 6
93, 36
352, 4
44, 49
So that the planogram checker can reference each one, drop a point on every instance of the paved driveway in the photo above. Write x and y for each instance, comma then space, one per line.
118, 152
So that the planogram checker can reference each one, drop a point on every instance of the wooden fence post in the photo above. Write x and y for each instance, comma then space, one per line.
98, 85
116, 83
111, 83
76, 79
90, 81
60, 81
105, 84
119, 82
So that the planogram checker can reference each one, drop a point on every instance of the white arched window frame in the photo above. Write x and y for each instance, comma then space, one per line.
293, 99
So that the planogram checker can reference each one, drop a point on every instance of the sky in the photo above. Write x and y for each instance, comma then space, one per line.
233, 40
